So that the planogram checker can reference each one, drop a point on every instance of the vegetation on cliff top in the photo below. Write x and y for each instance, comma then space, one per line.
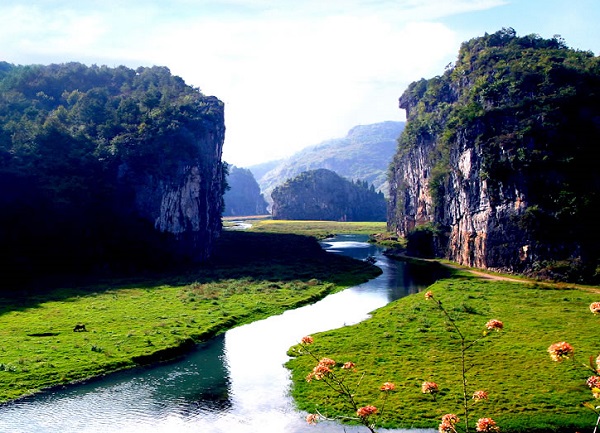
68, 133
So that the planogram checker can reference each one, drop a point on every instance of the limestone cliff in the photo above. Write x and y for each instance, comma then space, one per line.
495, 157
187, 201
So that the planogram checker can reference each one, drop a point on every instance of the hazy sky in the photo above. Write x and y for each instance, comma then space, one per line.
292, 73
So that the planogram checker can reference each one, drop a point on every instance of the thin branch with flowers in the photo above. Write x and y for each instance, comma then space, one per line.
336, 376
450, 421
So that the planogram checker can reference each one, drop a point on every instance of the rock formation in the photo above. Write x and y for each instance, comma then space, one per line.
495, 157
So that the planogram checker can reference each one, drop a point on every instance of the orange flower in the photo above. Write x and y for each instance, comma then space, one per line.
486, 425
312, 418
429, 295
348, 365
595, 307
366, 411
561, 351
307, 340
429, 388
450, 418
494, 324
388, 386
480, 395
448, 422
327, 362
593, 382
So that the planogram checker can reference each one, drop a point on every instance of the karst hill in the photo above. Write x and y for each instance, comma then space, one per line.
498, 159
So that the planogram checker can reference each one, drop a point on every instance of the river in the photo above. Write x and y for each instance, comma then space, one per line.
235, 383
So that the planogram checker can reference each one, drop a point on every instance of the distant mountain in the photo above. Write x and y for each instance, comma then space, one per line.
323, 195
364, 154
243, 197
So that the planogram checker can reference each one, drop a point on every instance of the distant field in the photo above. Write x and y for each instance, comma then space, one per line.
318, 229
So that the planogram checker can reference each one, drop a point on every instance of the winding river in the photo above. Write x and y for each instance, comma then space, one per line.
235, 383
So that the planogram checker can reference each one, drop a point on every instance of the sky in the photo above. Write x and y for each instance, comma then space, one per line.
292, 73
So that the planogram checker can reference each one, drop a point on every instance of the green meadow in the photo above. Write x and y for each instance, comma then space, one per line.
318, 229
410, 341
146, 320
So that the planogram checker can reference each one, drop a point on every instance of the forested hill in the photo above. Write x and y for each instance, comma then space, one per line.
324, 195
365, 153
499, 157
106, 168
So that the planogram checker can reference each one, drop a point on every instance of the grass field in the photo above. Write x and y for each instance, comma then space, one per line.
410, 341
251, 276
318, 229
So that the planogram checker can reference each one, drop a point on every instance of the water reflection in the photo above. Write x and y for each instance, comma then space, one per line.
235, 383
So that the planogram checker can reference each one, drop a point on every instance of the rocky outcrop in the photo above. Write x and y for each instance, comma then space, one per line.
323, 195
494, 158
187, 202
243, 196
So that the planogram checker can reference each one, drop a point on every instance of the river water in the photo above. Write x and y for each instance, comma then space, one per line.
235, 383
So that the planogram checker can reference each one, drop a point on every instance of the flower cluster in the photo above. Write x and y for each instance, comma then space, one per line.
312, 418
429, 295
494, 324
429, 388
322, 369
486, 425
595, 307
307, 340
348, 365
448, 423
387, 386
561, 351
480, 395
366, 411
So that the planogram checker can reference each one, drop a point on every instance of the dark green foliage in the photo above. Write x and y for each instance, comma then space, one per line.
243, 196
323, 195
529, 108
71, 136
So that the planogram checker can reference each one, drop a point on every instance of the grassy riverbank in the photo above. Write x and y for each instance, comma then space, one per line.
409, 342
318, 229
128, 323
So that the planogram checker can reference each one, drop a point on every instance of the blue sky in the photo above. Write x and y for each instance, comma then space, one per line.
292, 73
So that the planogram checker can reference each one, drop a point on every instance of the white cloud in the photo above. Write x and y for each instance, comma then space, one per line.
290, 75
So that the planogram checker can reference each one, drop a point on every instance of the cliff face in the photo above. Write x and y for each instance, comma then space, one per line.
187, 201
495, 157
243, 196
323, 195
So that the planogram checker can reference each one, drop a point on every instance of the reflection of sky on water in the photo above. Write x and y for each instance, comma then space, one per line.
235, 383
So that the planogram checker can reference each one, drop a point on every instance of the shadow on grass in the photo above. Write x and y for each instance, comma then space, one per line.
237, 255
